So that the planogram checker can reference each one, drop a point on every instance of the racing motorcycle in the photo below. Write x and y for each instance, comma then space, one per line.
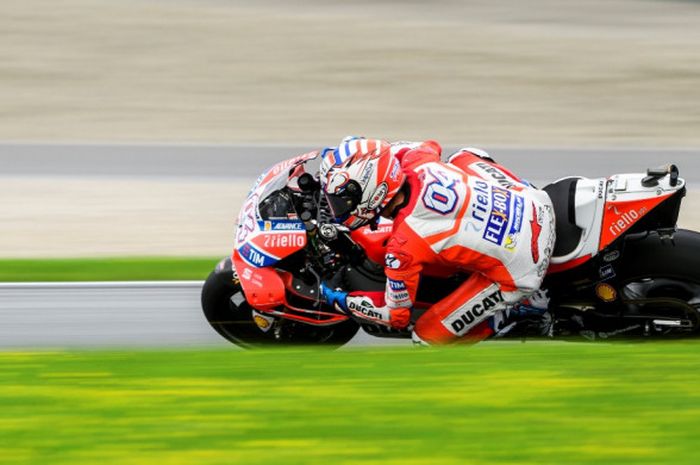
620, 267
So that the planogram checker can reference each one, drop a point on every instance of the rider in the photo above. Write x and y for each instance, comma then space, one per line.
467, 215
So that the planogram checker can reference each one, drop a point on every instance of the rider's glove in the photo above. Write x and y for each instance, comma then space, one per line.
336, 298
370, 306
367, 306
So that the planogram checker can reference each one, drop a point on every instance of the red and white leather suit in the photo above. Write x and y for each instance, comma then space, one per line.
469, 215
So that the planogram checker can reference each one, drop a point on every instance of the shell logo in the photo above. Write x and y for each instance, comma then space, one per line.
262, 323
606, 292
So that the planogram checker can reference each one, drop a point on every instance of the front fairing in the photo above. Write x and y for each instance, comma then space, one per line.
269, 228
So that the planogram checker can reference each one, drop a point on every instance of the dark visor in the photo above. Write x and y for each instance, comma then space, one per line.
343, 203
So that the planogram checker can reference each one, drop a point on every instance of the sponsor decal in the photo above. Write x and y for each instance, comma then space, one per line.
480, 201
611, 256
397, 293
536, 226
284, 240
363, 306
601, 189
255, 257
545, 212
366, 173
466, 316
288, 226
382, 229
267, 226
517, 224
498, 176
263, 322
497, 222
606, 292
285, 165
390, 261
399, 297
606, 272
378, 196
625, 220
396, 285
246, 220
494, 208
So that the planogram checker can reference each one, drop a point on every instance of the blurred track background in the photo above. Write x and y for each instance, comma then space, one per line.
524, 73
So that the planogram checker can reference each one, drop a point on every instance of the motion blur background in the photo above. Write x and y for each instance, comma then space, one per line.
536, 73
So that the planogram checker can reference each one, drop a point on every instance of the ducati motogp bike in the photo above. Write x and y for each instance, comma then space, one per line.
620, 267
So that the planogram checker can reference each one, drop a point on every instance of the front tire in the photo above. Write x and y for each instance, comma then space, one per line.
228, 312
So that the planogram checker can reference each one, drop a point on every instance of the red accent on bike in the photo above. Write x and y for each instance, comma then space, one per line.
559, 267
283, 309
320, 318
373, 242
618, 217
536, 230
263, 287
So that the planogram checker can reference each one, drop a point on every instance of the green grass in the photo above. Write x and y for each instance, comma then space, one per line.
105, 269
494, 403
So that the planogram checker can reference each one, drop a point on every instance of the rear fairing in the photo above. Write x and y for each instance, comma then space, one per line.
630, 213
606, 210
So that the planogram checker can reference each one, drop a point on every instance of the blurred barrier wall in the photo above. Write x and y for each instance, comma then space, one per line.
544, 72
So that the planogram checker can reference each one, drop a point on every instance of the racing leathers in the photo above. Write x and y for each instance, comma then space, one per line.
468, 215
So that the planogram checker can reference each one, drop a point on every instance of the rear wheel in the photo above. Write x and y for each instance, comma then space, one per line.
662, 277
228, 312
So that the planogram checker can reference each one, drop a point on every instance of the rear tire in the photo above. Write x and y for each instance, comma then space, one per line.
656, 268
227, 311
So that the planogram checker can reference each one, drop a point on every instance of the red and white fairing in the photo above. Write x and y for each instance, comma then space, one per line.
262, 242
606, 208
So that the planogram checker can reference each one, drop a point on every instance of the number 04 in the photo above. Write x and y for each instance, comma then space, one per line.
440, 198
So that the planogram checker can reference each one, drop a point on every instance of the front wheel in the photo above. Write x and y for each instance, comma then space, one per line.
228, 312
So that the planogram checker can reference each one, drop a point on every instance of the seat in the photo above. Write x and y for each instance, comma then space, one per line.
563, 195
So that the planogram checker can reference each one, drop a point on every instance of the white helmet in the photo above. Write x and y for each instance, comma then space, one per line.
365, 179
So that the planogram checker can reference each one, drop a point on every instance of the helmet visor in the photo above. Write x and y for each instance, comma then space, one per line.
345, 202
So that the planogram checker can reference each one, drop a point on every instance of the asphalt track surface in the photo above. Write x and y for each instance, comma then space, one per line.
169, 314
248, 161
86, 315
